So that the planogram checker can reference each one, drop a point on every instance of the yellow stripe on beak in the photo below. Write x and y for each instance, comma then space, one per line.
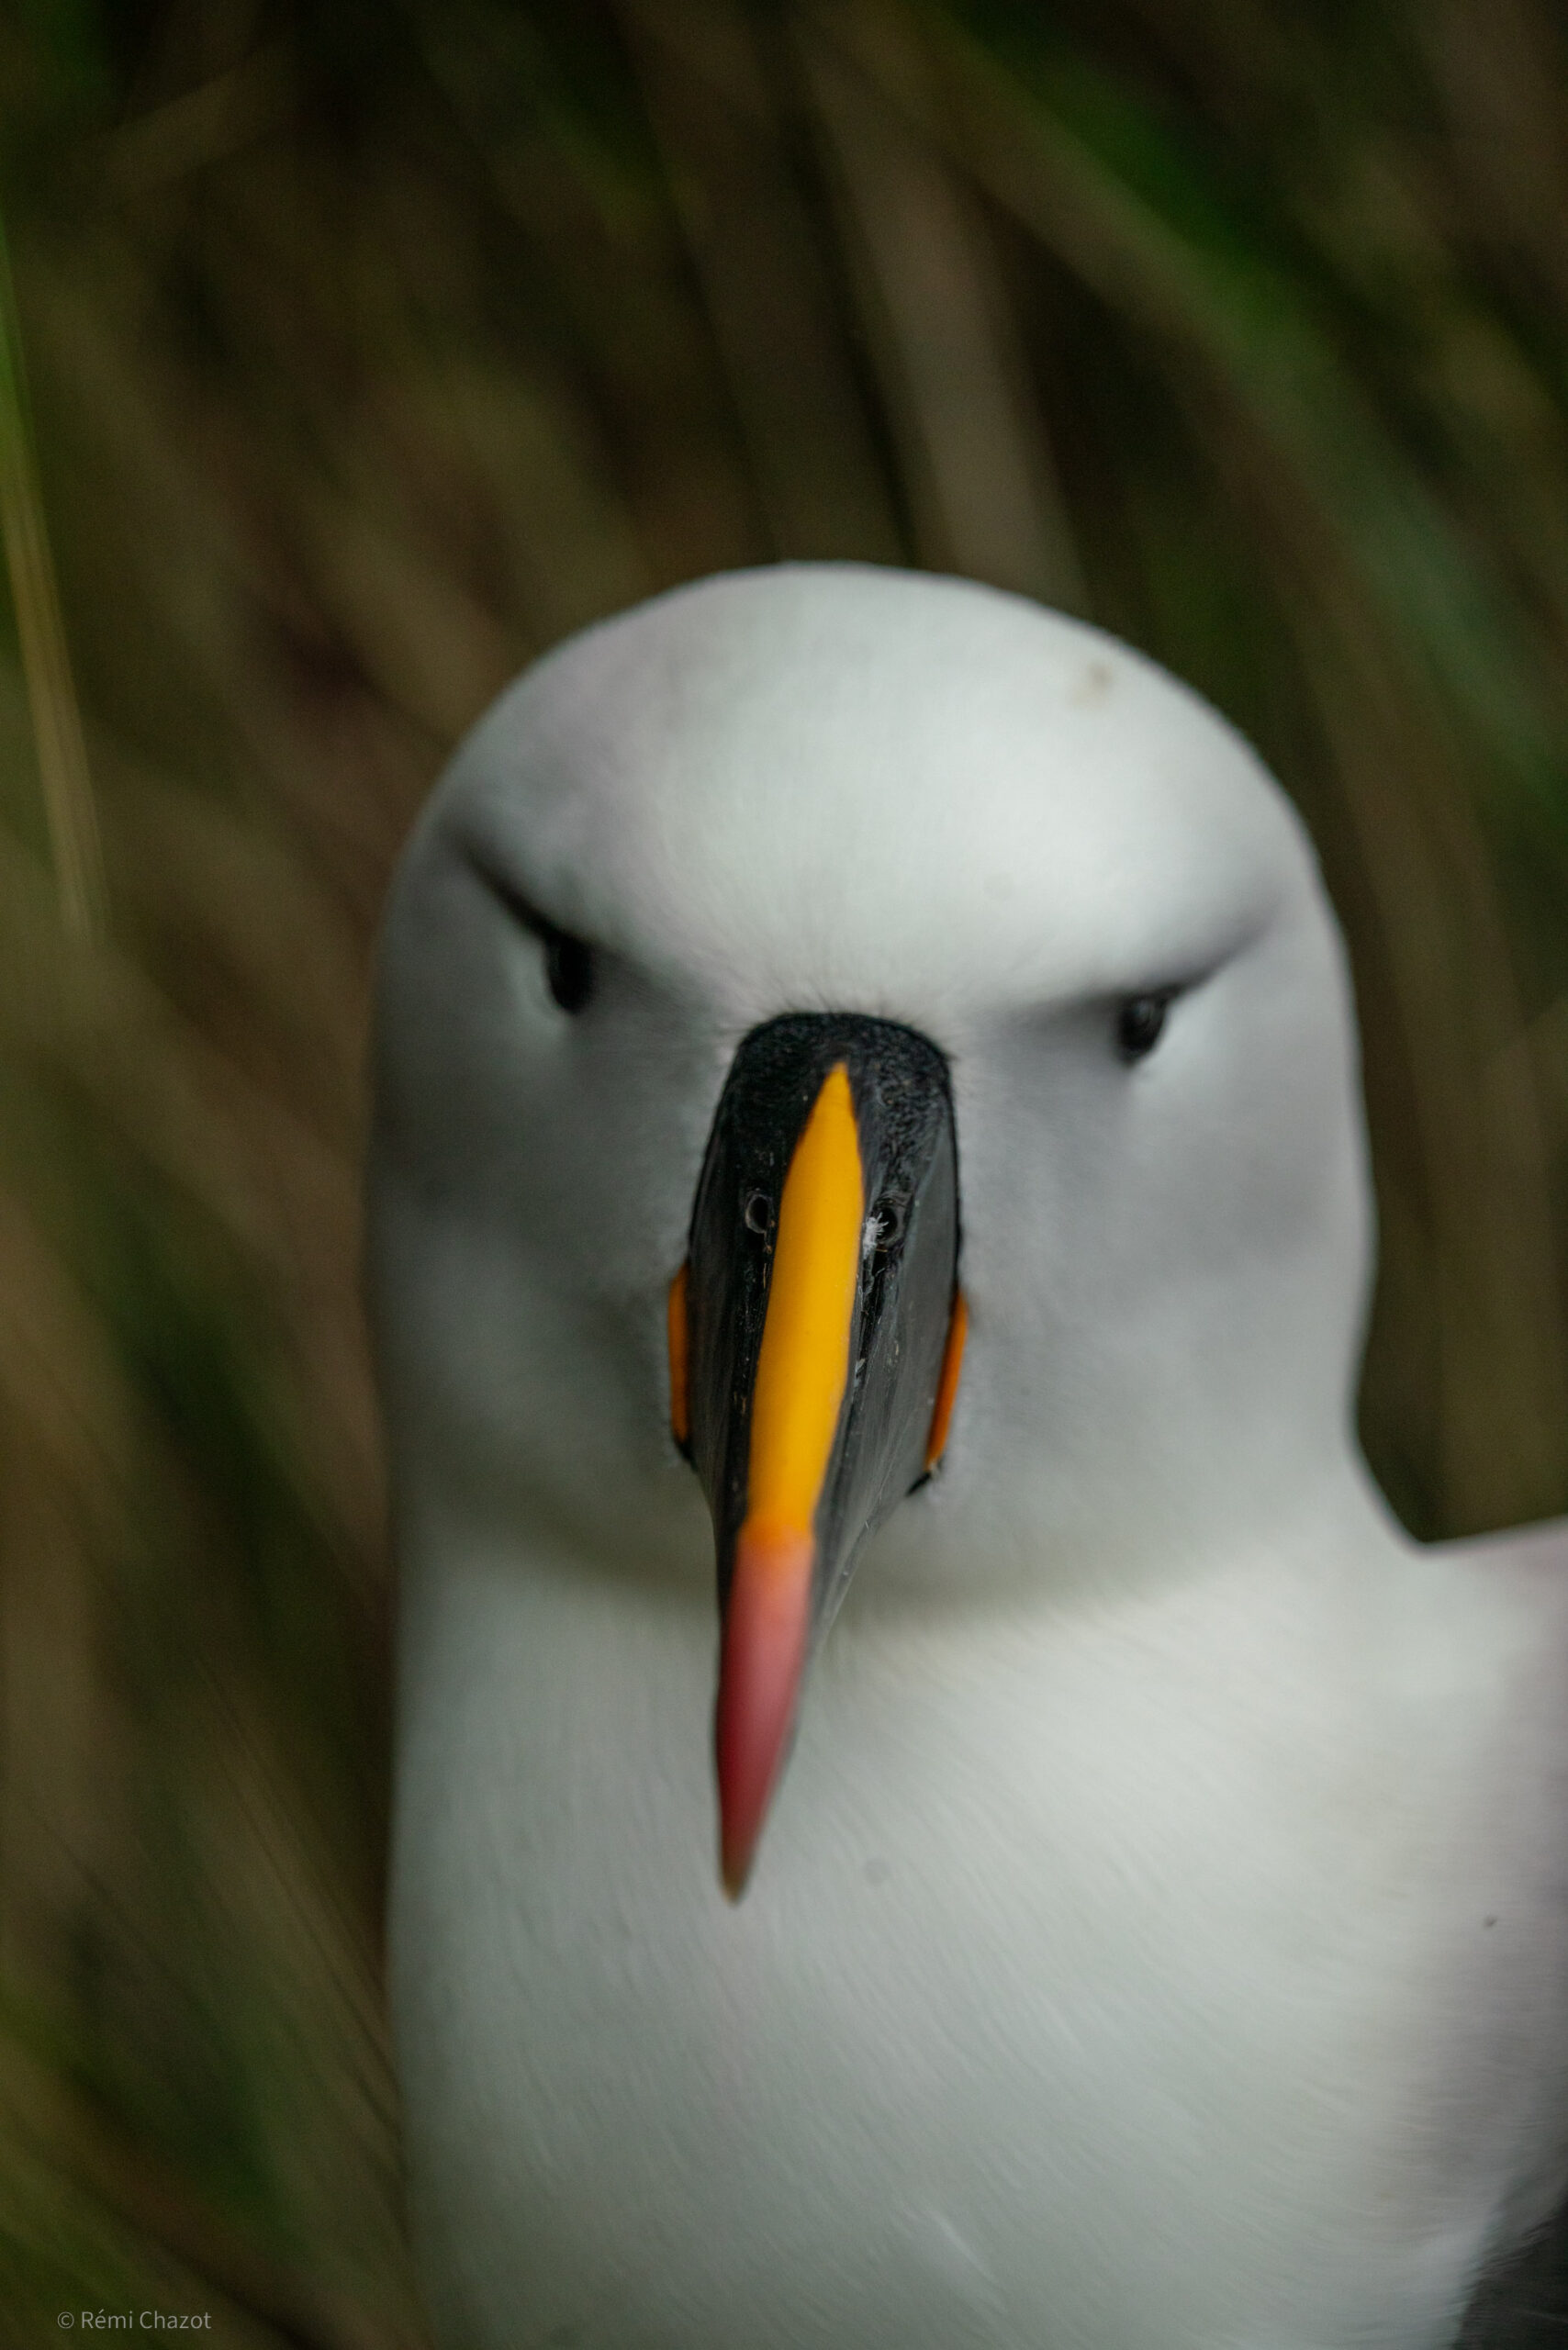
801, 1374
803, 1368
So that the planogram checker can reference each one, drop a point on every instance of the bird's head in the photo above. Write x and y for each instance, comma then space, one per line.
789, 972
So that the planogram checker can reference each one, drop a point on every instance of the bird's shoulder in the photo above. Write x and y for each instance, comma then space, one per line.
1504, 1594
1523, 2305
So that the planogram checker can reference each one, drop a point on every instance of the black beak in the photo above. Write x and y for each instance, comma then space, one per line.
816, 1332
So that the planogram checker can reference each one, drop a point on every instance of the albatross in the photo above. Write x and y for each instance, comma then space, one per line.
935, 1804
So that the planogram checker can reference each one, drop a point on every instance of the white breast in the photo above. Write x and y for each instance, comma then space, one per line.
1150, 1982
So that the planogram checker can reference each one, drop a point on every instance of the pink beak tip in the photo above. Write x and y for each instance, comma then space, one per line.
763, 1653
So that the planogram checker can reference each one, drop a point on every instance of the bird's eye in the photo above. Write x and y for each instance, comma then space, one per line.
568, 962
568, 968
757, 1212
1139, 1023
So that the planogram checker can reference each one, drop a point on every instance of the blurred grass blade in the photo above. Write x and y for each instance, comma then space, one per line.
61, 752
982, 482
716, 109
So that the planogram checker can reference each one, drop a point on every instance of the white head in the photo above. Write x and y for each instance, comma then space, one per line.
831, 789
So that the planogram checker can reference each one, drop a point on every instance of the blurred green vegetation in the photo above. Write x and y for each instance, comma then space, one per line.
354, 353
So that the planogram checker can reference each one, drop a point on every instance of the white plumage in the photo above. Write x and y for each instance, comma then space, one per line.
1159, 1940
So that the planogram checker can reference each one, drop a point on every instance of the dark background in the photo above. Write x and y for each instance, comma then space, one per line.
352, 355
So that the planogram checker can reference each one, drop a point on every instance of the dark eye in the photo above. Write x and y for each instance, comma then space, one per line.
1139, 1023
759, 1212
568, 961
568, 967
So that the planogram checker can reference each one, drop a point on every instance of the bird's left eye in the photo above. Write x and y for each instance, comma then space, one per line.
568, 968
1140, 1023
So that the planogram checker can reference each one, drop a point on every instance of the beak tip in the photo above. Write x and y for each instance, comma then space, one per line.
743, 1811
763, 1653
734, 1872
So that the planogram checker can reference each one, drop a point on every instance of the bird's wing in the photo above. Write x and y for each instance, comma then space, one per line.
1524, 2305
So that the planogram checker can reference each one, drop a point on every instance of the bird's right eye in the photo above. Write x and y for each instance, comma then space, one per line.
568, 968
569, 971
